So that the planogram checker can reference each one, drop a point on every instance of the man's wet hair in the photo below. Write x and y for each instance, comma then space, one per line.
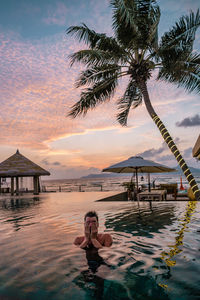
91, 214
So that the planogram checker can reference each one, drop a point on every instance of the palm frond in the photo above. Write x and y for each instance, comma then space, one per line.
148, 20
182, 35
111, 45
83, 33
98, 41
132, 98
91, 97
176, 47
125, 10
97, 74
152, 40
134, 22
185, 74
91, 57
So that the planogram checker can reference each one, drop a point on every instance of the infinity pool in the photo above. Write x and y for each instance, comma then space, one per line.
155, 253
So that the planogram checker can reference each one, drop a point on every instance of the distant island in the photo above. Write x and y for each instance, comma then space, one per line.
107, 175
192, 169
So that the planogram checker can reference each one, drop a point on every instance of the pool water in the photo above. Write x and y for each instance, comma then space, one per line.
155, 252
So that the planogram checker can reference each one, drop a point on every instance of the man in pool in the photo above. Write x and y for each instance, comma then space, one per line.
92, 238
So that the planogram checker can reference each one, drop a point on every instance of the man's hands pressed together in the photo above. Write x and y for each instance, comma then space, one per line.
87, 231
94, 236
93, 231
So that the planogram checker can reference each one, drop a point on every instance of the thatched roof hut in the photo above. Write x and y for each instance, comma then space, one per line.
17, 166
196, 149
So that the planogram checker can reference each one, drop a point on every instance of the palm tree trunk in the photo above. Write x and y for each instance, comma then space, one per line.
166, 136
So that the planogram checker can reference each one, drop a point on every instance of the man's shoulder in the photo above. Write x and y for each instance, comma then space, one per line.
107, 236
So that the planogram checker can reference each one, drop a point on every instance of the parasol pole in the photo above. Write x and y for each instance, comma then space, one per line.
149, 183
136, 173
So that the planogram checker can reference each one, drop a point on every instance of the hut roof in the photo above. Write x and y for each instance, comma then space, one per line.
196, 149
19, 165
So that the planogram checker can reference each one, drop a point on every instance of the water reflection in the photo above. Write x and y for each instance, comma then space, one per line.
17, 203
175, 249
13, 211
89, 280
105, 283
142, 219
144, 287
94, 260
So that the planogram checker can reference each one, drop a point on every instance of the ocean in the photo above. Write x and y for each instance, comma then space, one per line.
111, 183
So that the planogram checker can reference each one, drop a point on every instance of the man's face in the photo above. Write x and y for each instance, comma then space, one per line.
91, 221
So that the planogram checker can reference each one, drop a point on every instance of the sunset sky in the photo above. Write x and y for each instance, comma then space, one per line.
37, 90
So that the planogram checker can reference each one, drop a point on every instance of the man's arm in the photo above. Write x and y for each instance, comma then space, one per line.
83, 241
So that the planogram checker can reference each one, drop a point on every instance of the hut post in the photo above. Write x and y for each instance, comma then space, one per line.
39, 188
12, 186
17, 185
35, 185
21, 183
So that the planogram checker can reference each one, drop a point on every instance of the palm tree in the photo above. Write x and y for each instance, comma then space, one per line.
135, 51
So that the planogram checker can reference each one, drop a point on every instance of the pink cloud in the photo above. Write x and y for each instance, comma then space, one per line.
37, 90
56, 15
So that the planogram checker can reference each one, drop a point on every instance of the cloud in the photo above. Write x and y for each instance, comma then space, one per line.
56, 15
166, 158
162, 154
153, 152
45, 162
72, 172
56, 163
48, 163
188, 153
189, 122
37, 90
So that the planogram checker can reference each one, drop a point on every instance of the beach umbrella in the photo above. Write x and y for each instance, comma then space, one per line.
137, 164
